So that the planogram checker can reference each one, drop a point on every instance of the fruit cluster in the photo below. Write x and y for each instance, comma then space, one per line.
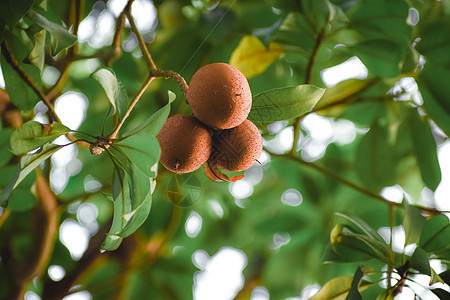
218, 132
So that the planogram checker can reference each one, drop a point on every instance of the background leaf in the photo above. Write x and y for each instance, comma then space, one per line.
284, 103
11, 11
435, 234
60, 38
251, 57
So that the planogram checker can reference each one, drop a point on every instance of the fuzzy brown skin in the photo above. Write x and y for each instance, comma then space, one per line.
185, 144
236, 149
219, 96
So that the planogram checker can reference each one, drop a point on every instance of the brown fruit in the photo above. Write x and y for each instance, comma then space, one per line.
238, 148
185, 144
219, 96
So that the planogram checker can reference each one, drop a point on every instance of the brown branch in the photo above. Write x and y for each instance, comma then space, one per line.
21, 72
142, 45
59, 289
5, 214
362, 190
174, 76
308, 76
147, 82
43, 250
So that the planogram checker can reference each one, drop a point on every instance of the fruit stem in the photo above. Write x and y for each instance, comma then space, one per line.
130, 108
148, 58
174, 76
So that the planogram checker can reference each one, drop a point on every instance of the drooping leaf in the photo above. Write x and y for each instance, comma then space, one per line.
5, 154
434, 90
37, 54
420, 261
354, 294
135, 159
284, 103
375, 158
114, 89
33, 135
60, 38
11, 11
435, 234
413, 222
338, 288
27, 164
251, 57
426, 150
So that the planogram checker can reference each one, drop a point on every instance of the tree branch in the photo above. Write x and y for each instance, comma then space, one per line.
142, 45
147, 82
174, 76
21, 72
362, 190
59, 289
42, 251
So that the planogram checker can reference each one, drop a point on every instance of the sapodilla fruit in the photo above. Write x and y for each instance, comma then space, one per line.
238, 148
185, 144
219, 96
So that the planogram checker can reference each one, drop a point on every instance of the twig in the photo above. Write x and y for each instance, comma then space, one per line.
308, 76
21, 72
59, 289
130, 108
142, 45
429, 210
5, 214
42, 251
174, 76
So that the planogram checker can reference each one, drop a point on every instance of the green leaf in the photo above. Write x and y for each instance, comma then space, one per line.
413, 222
420, 262
381, 56
22, 199
11, 11
33, 135
435, 278
354, 292
435, 234
143, 151
37, 54
136, 160
442, 294
284, 103
153, 125
445, 276
27, 164
375, 158
5, 154
353, 247
60, 38
338, 288
425, 149
361, 224
114, 89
